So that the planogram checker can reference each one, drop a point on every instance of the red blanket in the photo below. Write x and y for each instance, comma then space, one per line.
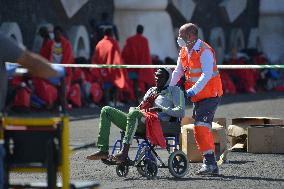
246, 78
108, 52
154, 131
227, 83
67, 57
46, 49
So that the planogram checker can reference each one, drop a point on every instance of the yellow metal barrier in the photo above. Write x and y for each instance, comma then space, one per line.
19, 121
53, 123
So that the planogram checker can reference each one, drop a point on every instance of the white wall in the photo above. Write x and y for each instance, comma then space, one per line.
186, 7
156, 21
71, 7
13, 31
217, 40
271, 29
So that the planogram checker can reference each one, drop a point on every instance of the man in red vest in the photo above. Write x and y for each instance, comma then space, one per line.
136, 51
197, 62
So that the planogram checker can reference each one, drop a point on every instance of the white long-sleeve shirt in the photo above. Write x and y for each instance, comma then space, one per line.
207, 65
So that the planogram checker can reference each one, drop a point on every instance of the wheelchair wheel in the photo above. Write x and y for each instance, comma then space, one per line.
151, 169
142, 162
141, 168
122, 170
178, 164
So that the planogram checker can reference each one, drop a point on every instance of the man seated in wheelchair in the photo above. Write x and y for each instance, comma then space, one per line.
160, 103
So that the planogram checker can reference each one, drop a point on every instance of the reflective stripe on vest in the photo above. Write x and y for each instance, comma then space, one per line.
195, 79
193, 70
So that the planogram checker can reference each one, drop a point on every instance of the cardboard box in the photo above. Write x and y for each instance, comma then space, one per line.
266, 139
238, 131
189, 145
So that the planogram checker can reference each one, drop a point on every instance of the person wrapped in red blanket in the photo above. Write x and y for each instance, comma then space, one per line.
137, 51
160, 103
114, 81
58, 51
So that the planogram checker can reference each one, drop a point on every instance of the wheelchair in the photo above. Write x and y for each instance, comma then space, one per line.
147, 161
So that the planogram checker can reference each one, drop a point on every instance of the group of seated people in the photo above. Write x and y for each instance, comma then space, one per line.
250, 80
84, 87
98, 87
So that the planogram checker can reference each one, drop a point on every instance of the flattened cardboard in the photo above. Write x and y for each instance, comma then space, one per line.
256, 121
237, 130
237, 147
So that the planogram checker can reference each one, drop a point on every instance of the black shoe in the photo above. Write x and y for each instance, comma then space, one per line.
208, 170
122, 156
98, 156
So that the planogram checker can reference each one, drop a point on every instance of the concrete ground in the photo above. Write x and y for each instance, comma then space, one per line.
243, 170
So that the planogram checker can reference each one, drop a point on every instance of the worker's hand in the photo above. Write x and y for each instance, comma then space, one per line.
189, 93
155, 109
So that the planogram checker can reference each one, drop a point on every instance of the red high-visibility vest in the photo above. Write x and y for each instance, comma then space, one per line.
193, 70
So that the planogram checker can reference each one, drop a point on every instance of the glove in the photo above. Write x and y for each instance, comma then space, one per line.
61, 73
190, 93
60, 70
11, 69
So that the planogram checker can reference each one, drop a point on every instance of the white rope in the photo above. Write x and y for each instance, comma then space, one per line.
249, 66
164, 66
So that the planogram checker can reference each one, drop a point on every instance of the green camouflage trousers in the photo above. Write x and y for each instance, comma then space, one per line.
130, 123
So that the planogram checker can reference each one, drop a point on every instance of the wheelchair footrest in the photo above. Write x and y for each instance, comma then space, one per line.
109, 162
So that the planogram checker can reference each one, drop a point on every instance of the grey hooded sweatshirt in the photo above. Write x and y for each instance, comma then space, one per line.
170, 100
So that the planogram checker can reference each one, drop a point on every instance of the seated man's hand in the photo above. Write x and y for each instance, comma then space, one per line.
155, 109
